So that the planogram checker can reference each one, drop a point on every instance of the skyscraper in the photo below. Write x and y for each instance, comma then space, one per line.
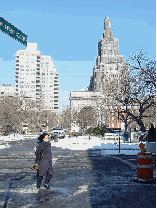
108, 76
36, 78
109, 63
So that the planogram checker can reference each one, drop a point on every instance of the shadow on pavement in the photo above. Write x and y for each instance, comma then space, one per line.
114, 187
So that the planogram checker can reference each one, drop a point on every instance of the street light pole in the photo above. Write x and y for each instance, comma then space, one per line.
119, 131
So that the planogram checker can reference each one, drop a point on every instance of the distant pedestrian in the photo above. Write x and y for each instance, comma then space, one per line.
43, 160
69, 131
40, 131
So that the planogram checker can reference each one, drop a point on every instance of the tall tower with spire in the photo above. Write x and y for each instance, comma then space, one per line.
108, 61
108, 80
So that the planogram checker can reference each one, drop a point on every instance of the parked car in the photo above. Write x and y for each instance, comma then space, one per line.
59, 131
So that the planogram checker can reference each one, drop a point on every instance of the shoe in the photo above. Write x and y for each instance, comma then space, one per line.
47, 186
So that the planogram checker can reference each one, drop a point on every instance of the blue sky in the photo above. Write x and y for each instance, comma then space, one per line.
69, 31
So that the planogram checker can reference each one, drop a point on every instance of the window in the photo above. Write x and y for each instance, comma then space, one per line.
110, 52
109, 43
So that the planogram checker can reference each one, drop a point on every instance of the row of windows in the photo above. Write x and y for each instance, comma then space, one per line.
33, 86
35, 70
28, 69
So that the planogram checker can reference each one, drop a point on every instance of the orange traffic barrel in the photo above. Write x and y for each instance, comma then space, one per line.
144, 165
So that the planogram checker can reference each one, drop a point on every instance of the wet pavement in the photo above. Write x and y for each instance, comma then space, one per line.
82, 179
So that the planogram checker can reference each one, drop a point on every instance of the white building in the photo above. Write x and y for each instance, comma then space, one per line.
7, 90
36, 78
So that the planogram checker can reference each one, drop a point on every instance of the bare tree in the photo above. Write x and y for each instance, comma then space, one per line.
46, 119
86, 117
137, 92
65, 117
10, 117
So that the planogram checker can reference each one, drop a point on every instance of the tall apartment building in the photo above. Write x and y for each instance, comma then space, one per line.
36, 78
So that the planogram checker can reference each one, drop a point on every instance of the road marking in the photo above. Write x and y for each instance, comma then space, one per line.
126, 162
132, 165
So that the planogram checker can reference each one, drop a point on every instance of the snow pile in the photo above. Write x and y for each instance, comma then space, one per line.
107, 147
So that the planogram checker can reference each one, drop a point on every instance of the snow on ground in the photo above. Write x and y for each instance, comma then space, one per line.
5, 139
107, 147
12, 137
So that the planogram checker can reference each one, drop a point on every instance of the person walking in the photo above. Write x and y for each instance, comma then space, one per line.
69, 131
43, 161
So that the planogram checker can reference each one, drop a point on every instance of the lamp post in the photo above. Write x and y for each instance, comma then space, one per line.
119, 131
46, 123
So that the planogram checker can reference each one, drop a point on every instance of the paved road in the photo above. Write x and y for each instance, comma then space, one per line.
82, 179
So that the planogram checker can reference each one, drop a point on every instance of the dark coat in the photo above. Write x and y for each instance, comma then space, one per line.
45, 163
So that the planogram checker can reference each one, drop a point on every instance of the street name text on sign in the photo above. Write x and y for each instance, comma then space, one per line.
13, 31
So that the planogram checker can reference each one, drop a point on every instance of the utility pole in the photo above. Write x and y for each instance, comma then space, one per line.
119, 131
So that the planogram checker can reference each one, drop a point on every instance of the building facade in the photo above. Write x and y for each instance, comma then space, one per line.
109, 64
107, 73
7, 90
36, 78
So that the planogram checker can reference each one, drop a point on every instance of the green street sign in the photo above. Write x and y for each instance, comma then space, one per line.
13, 31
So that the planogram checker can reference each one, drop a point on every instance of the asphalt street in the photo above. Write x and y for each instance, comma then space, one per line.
82, 179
